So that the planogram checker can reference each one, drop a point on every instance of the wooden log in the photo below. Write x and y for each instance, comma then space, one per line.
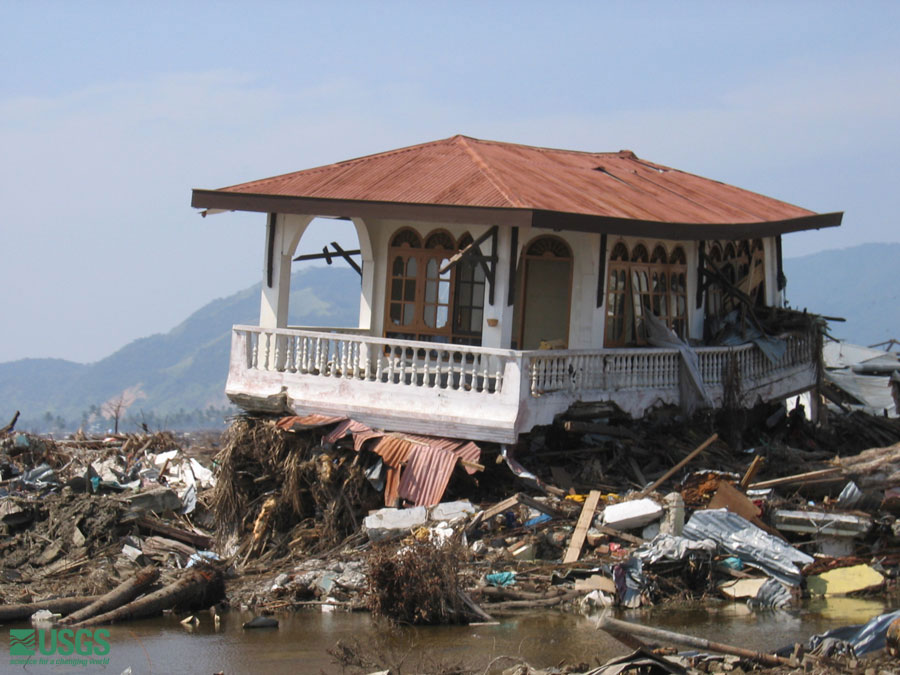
530, 604
581, 527
618, 534
183, 591
605, 623
21, 611
496, 593
125, 592
671, 472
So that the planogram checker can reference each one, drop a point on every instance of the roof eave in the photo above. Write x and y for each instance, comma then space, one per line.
509, 217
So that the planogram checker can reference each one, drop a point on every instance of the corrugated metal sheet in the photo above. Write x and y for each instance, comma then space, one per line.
418, 468
463, 171
426, 475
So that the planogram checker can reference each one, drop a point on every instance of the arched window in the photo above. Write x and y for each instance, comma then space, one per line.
421, 303
468, 311
638, 283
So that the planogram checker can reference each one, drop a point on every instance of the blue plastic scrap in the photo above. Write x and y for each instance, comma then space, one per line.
500, 579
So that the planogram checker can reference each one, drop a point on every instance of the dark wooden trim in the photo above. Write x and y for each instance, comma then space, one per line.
601, 271
781, 280
680, 231
513, 258
507, 217
270, 247
701, 263
320, 256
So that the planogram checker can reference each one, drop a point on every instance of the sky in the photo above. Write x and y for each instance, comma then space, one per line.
111, 112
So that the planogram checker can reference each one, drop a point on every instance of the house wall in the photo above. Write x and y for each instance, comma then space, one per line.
587, 320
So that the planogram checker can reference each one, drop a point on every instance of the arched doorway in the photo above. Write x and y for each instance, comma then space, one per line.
546, 294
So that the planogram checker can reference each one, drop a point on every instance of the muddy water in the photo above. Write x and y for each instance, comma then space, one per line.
299, 644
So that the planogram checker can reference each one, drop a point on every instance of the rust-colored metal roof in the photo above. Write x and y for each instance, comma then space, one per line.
472, 173
426, 475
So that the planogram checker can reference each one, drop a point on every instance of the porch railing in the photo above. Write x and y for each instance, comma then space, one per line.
375, 359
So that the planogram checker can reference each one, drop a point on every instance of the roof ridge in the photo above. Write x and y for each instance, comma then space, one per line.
488, 172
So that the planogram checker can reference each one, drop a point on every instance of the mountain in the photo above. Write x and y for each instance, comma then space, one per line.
182, 370
860, 284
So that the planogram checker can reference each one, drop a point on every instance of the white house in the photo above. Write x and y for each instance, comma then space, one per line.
502, 282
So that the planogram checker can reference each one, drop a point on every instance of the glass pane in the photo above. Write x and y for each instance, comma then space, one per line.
479, 273
446, 274
429, 316
396, 289
442, 313
397, 269
465, 318
395, 313
409, 310
431, 269
465, 294
431, 291
478, 295
409, 291
411, 267
444, 291
476, 320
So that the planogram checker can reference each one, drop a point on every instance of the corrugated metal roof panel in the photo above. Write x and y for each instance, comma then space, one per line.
426, 475
463, 171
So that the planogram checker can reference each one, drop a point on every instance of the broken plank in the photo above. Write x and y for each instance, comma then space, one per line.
539, 506
581, 528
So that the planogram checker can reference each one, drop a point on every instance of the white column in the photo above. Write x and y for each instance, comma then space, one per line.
367, 293
499, 335
273, 308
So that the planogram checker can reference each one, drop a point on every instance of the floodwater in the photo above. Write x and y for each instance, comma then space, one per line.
300, 643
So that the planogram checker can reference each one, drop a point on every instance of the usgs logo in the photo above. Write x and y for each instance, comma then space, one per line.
64, 642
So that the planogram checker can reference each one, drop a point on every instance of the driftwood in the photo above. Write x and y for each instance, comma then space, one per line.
833, 474
192, 586
605, 623
530, 604
12, 424
125, 592
19, 612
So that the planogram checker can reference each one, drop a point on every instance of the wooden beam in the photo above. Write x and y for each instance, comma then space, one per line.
601, 270
270, 248
513, 257
346, 256
581, 528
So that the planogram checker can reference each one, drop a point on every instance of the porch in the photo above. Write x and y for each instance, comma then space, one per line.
484, 393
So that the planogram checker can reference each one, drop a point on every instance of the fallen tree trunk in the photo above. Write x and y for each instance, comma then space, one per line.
607, 624
125, 592
194, 589
19, 612
875, 468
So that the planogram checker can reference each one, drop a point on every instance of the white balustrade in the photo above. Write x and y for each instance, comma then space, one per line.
353, 356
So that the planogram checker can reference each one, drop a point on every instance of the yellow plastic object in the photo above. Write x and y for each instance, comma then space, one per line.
844, 580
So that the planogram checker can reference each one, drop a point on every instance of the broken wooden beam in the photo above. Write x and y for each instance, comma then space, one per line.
671, 472
810, 476
581, 527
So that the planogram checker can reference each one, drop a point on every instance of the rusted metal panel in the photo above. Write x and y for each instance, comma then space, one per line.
347, 426
426, 475
461, 171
